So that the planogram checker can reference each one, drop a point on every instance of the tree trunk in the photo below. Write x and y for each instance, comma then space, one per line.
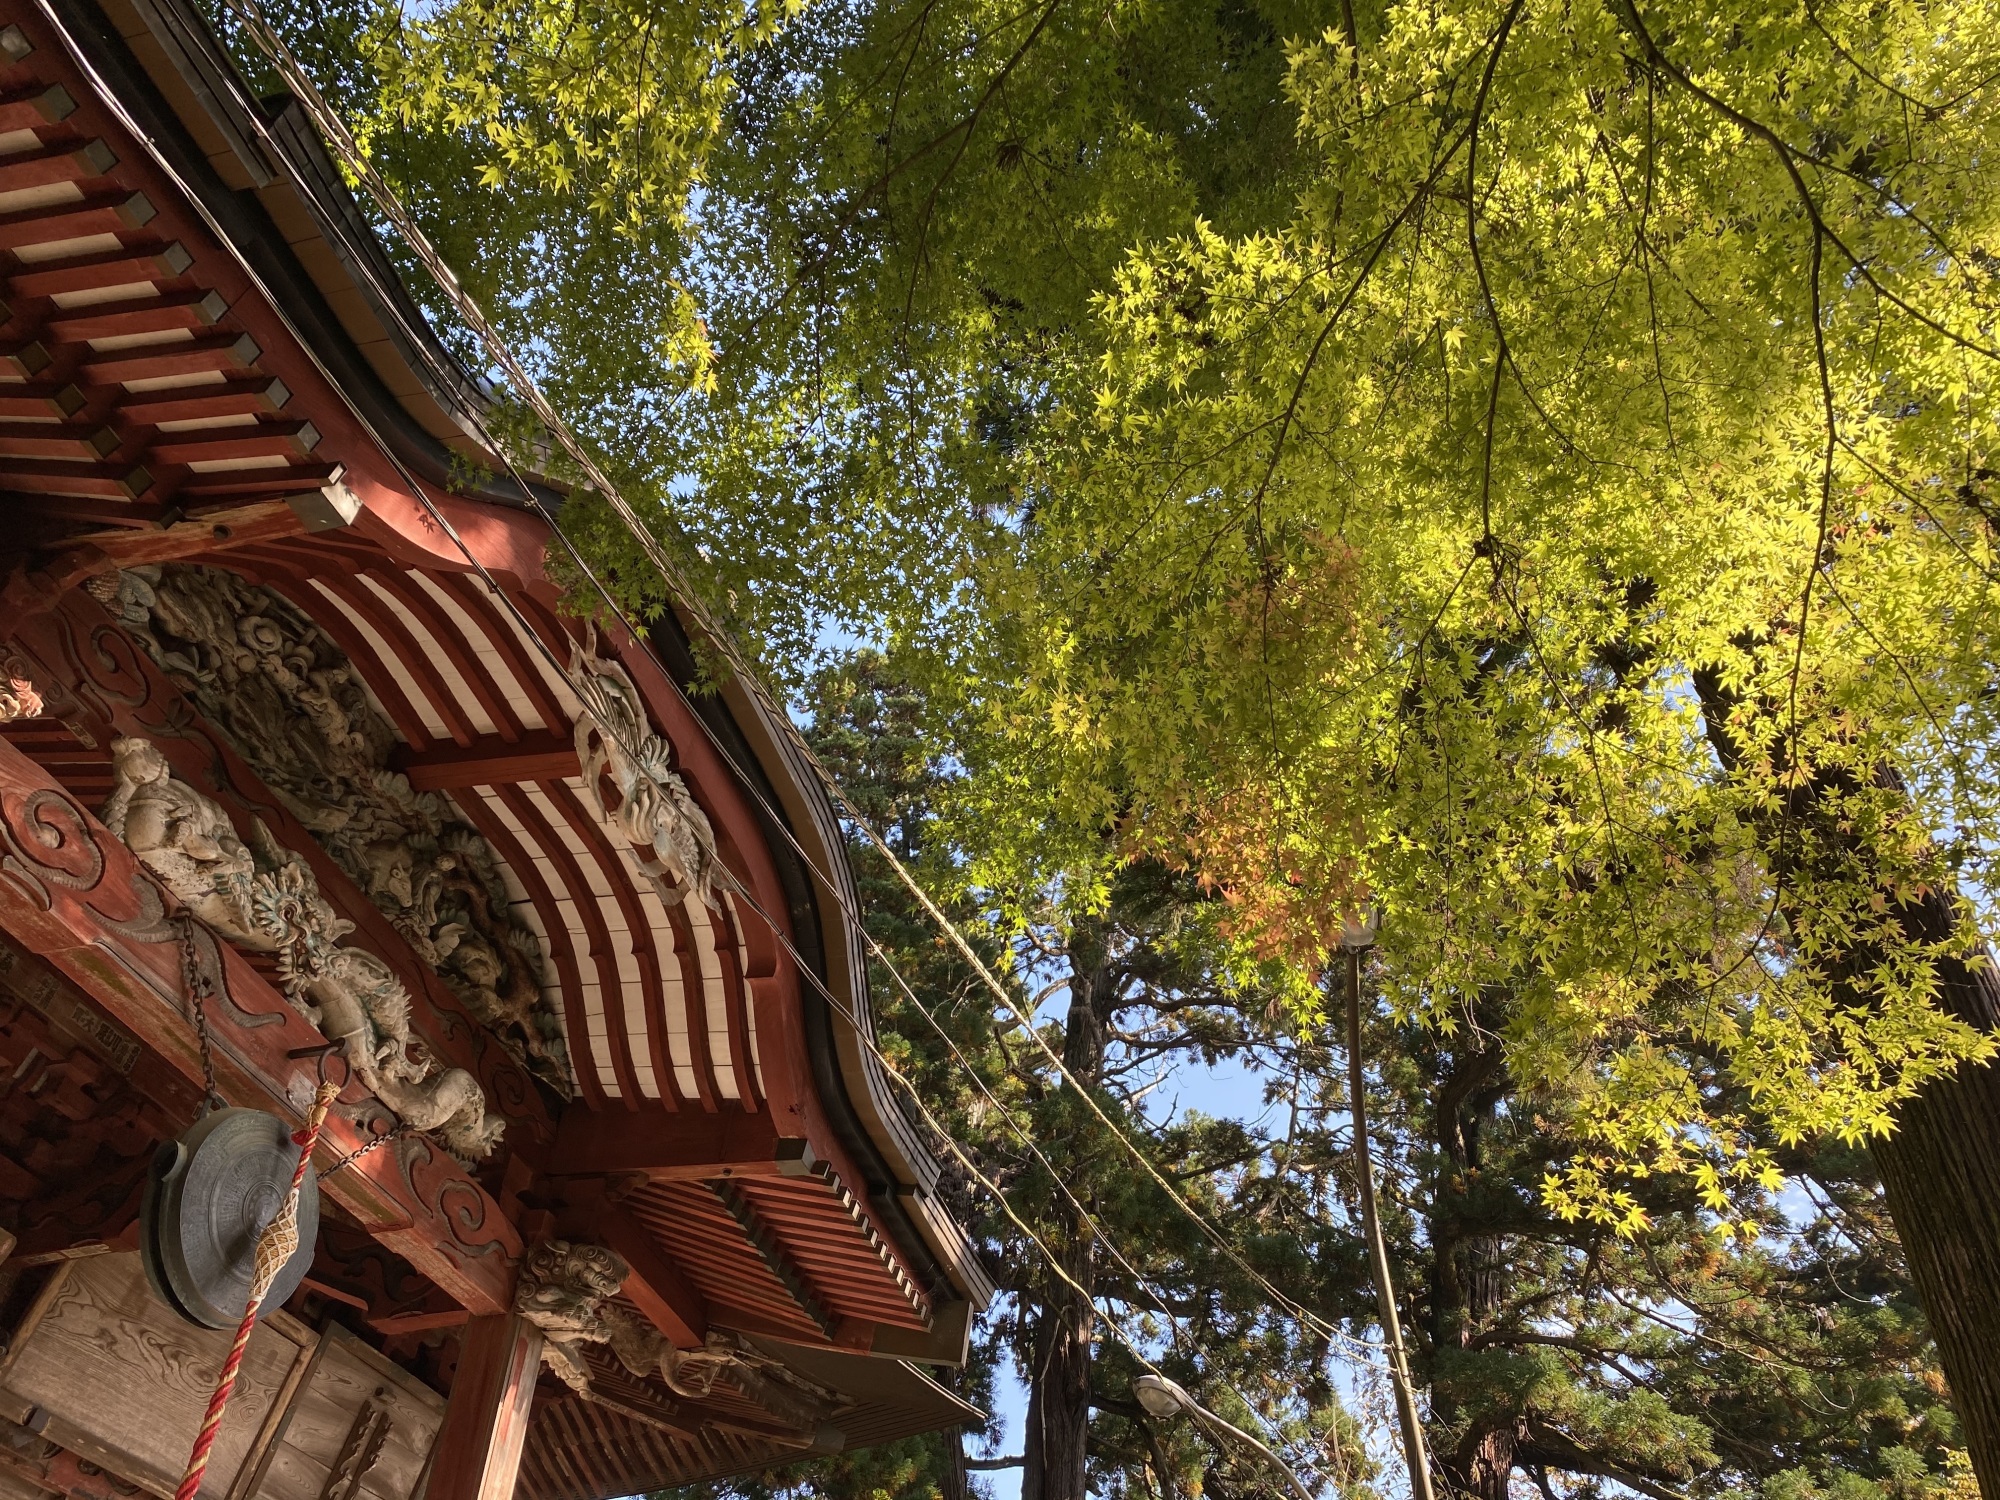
1483, 1466
953, 1484
1941, 1171
1056, 1447
1468, 1270
1057, 1442
1940, 1167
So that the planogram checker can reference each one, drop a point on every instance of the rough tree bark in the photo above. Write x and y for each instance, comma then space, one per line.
1468, 1283
1056, 1447
1057, 1441
1940, 1168
1941, 1171
954, 1483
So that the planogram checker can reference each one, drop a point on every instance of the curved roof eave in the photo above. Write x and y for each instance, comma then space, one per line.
262, 176
903, 1176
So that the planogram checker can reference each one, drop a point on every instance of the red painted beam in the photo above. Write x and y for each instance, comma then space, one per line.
26, 358
655, 1285
157, 314
683, 1147
214, 531
45, 399
53, 164
97, 213
76, 896
292, 479
418, 1322
104, 268
246, 395
57, 440
54, 476
478, 1452
222, 351
490, 761
33, 107
287, 440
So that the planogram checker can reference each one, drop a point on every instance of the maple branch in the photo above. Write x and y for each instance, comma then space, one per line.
1789, 157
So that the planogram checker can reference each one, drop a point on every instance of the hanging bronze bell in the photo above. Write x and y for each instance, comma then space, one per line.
208, 1197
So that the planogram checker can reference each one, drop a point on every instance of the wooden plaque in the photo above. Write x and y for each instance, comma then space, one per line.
124, 1382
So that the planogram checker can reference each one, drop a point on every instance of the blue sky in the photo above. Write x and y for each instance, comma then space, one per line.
1231, 1089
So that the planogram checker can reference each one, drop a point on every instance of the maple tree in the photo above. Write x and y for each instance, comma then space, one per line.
1670, 1363
1530, 465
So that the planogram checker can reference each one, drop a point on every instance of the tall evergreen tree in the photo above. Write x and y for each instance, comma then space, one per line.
1528, 462
1124, 994
1675, 1363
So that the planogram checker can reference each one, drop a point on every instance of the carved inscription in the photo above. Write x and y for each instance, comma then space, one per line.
66, 1012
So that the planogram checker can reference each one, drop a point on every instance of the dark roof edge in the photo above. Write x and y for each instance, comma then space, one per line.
303, 166
939, 1249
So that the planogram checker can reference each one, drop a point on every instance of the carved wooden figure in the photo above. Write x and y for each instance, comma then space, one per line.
301, 744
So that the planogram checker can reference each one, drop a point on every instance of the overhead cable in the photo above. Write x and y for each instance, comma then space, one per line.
718, 636
713, 629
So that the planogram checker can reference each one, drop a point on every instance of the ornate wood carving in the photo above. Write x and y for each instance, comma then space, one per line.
99, 685
76, 1124
359, 1428
18, 700
291, 704
359, 1450
72, 893
350, 1266
565, 1291
651, 808
268, 902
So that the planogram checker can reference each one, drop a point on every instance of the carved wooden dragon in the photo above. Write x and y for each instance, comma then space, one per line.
266, 899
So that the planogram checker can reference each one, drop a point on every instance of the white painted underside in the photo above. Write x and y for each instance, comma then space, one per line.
625, 998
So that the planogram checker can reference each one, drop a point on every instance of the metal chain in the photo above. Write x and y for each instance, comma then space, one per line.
402, 1129
198, 989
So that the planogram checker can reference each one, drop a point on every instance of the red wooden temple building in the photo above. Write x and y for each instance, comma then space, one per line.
305, 773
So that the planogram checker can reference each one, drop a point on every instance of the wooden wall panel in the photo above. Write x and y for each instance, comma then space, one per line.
125, 1382
360, 1428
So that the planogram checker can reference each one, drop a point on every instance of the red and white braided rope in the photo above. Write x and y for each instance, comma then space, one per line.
275, 1247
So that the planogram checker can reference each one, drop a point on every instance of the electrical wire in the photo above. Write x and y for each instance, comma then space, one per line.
302, 85
713, 629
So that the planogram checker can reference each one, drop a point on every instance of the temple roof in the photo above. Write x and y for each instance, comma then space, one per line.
231, 435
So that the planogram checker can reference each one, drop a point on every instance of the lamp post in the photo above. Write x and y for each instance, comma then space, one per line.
1162, 1397
1357, 936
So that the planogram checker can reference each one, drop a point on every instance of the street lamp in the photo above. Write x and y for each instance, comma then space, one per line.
1358, 927
1357, 936
1163, 1398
